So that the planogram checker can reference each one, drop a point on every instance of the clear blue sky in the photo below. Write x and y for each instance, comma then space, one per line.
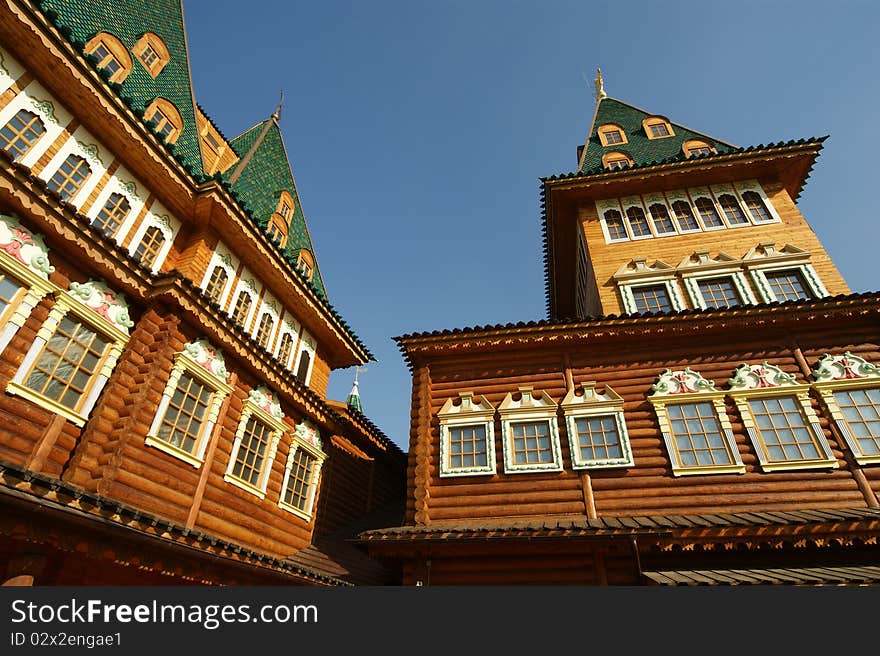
418, 131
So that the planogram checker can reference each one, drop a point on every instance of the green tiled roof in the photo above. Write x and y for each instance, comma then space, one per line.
642, 150
128, 20
266, 174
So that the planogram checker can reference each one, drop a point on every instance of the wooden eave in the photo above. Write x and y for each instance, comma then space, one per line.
789, 164
82, 517
425, 347
66, 74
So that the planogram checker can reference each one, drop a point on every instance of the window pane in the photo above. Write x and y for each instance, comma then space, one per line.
531, 443
732, 210
662, 220
685, 216
614, 223
21, 133
469, 442
638, 222
719, 292
9, 287
597, 438
651, 298
788, 285
782, 428
707, 211
249, 459
698, 439
299, 480
861, 410
756, 207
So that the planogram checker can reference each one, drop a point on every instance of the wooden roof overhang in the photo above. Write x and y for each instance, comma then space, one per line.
561, 196
39, 46
67, 231
730, 531
43, 510
420, 348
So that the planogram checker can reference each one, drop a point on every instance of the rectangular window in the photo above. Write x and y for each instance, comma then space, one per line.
659, 130
781, 427
788, 285
612, 137
21, 133
9, 288
651, 298
149, 56
299, 480
67, 363
531, 443
252, 452
69, 177
183, 420
697, 435
719, 292
861, 411
597, 438
467, 446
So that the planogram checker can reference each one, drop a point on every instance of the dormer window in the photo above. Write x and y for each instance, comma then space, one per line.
657, 127
616, 160
152, 53
284, 210
695, 148
611, 134
305, 264
164, 118
111, 55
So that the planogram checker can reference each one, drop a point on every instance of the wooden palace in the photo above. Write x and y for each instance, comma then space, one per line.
165, 335
700, 407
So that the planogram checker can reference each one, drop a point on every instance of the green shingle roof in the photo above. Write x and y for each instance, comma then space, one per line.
128, 20
259, 185
642, 150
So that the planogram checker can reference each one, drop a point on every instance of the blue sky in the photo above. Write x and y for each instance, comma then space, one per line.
418, 131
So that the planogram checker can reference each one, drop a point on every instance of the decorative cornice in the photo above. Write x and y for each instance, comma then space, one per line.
209, 358
844, 367
759, 376
684, 381
308, 432
265, 399
96, 295
24, 245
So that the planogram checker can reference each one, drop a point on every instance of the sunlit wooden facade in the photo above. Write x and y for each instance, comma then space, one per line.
701, 406
164, 350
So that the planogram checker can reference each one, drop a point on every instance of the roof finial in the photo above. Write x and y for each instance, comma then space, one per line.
600, 86
277, 115
354, 397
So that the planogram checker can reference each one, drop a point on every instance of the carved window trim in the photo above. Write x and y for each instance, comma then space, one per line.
652, 121
744, 186
305, 263
686, 387
616, 160
24, 132
605, 131
113, 50
767, 381
530, 408
468, 412
591, 404
306, 439
162, 56
76, 303
706, 268
255, 407
306, 345
160, 114
205, 364
845, 373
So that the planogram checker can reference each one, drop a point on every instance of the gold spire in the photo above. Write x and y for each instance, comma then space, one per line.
276, 116
600, 86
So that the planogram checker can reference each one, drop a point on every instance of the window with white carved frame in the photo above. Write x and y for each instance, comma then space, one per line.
70, 177
529, 432
256, 442
112, 214
596, 428
850, 388
714, 282
646, 288
21, 133
302, 471
467, 436
191, 403
694, 423
779, 419
75, 350
784, 274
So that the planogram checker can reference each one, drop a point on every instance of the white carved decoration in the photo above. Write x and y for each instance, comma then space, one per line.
306, 431
265, 400
96, 295
204, 354
25, 246
843, 367
684, 381
759, 376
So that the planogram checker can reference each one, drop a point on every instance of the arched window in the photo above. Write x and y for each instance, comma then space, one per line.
611, 134
756, 207
614, 223
638, 222
662, 220
148, 250
277, 230
21, 133
657, 127
242, 309
164, 118
302, 370
694, 147
111, 55
305, 264
616, 160
265, 330
685, 216
708, 213
216, 284
286, 347
70, 177
112, 214
152, 53
732, 210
